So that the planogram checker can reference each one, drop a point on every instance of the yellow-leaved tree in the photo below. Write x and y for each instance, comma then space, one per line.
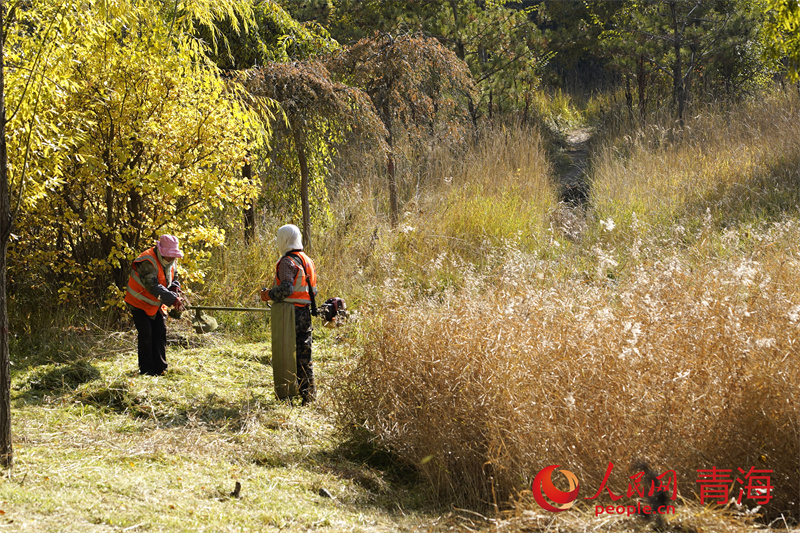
115, 127
782, 34
125, 130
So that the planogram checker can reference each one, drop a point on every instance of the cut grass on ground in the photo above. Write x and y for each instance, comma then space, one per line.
99, 448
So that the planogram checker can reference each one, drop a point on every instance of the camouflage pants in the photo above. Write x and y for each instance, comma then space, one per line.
305, 368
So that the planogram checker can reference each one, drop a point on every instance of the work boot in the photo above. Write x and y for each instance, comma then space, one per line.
305, 378
308, 391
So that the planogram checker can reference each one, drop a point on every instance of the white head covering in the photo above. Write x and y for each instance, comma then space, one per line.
289, 238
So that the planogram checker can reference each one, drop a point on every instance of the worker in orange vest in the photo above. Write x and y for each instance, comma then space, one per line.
293, 296
152, 286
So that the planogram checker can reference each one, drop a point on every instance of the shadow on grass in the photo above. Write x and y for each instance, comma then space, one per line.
377, 479
382, 481
159, 400
55, 379
360, 451
391, 483
123, 398
764, 197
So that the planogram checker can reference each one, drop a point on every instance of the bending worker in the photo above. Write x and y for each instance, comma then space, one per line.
152, 286
293, 295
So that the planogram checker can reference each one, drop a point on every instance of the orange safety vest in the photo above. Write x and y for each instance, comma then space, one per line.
306, 277
137, 295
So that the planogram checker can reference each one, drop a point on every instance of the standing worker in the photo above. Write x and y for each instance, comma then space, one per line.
152, 286
293, 295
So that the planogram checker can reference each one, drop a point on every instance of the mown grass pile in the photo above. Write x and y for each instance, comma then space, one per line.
667, 333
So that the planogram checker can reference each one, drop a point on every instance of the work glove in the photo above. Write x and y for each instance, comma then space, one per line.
175, 286
179, 305
264, 295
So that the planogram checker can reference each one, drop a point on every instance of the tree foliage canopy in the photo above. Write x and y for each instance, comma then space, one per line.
307, 95
416, 84
273, 36
318, 112
501, 43
412, 80
782, 33
122, 130
711, 44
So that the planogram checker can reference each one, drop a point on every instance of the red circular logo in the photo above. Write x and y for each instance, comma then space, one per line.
543, 486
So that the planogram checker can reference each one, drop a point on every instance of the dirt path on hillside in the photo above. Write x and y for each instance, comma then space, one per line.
571, 167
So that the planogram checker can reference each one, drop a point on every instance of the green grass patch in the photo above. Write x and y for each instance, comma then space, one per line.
98, 447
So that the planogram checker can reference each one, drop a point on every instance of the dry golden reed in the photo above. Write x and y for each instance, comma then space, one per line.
682, 367
668, 335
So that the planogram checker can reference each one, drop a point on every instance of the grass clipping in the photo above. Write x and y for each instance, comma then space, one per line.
680, 365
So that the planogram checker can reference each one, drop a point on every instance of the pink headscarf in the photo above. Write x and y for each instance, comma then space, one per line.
168, 246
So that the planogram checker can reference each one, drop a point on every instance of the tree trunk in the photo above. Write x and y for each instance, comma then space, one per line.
461, 53
250, 211
6, 450
300, 146
641, 81
678, 92
394, 211
629, 97
105, 235
472, 109
527, 107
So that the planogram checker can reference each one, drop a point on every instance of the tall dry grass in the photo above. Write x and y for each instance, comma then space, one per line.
502, 189
739, 164
683, 367
667, 334
463, 205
